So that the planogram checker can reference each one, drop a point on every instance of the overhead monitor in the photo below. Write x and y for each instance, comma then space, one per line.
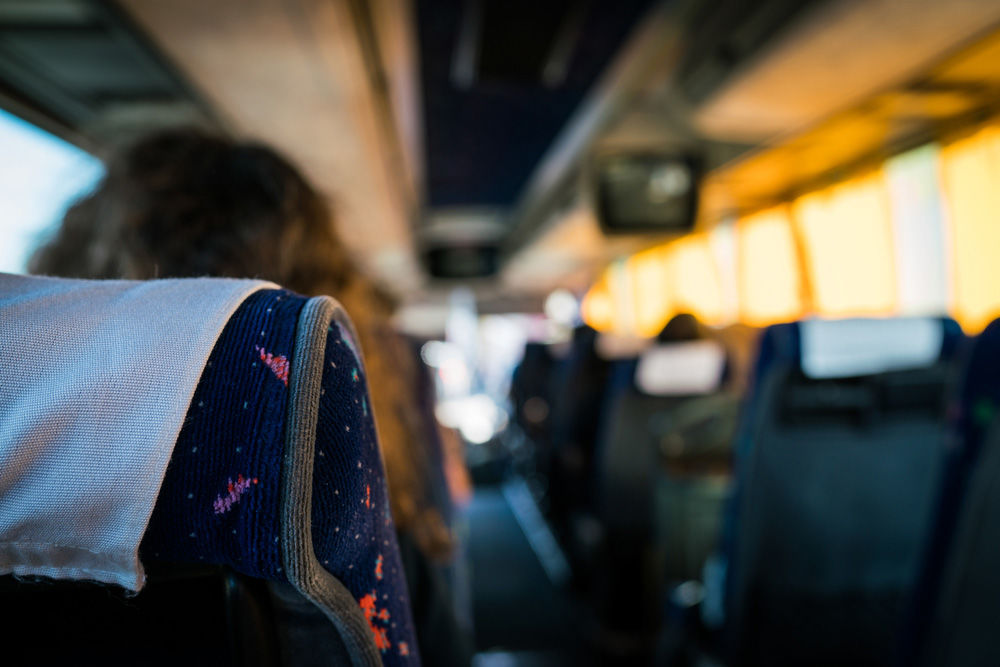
458, 262
637, 193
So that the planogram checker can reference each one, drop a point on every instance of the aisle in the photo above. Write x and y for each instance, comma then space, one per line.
521, 618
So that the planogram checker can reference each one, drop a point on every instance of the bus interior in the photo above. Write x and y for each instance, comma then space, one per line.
701, 293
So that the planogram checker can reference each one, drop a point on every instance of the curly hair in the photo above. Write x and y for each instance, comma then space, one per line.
182, 202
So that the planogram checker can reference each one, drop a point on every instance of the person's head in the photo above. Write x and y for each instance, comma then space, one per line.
681, 328
182, 202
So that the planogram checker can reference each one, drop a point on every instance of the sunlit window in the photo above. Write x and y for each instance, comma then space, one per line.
722, 241
917, 237
847, 237
651, 286
598, 306
622, 286
695, 280
770, 281
40, 175
918, 221
970, 173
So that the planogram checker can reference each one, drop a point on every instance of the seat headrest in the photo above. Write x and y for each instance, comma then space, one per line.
853, 347
681, 369
297, 491
95, 381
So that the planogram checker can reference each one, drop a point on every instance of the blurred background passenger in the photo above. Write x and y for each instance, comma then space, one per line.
181, 203
681, 328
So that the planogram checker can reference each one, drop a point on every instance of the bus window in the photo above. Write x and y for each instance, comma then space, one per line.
40, 175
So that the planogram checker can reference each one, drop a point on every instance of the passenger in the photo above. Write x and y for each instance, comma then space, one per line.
181, 203
579, 387
685, 327
681, 328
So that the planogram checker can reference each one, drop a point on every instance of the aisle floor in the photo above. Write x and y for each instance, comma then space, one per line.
521, 617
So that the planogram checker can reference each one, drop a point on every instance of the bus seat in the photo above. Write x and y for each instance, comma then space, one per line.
530, 395
837, 454
585, 531
694, 435
690, 368
431, 440
439, 588
270, 542
647, 391
579, 390
646, 397
956, 601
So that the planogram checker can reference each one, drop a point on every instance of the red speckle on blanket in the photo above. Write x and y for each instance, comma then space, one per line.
277, 364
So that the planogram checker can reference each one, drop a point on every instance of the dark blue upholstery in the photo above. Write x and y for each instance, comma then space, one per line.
353, 533
220, 499
426, 398
635, 501
973, 411
578, 398
234, 430
821, 535
779, 344
532, 381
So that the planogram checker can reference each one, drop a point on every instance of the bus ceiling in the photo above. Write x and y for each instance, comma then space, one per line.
469, 137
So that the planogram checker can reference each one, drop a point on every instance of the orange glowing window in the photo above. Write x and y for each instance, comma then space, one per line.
970, 175
848, 247
598, 307
649, 277
769, 278
695, 280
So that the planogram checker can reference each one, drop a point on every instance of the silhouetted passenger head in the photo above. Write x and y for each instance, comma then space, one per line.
184, 203
681, 327
584, 337
181, 202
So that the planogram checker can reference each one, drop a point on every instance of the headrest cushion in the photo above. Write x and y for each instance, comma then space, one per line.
681, 369
852, 347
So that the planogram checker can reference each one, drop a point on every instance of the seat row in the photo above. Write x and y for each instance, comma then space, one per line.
837, 512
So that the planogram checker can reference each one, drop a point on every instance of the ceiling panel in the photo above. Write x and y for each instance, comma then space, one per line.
74, 61
294, 74
500, 80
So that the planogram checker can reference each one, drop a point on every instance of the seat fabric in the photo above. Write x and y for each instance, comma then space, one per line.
221, 498
835, 482
271, 541
953, 611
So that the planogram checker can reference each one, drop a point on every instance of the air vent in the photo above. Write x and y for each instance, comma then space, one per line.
75, 61
518, 42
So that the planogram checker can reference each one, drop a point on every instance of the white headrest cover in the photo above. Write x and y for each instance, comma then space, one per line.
95, 381
845, 348
681, 369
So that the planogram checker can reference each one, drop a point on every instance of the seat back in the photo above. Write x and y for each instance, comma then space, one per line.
649, 402
643, 398
529, 392
837, 455
952, 619
272, 516
579, 390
